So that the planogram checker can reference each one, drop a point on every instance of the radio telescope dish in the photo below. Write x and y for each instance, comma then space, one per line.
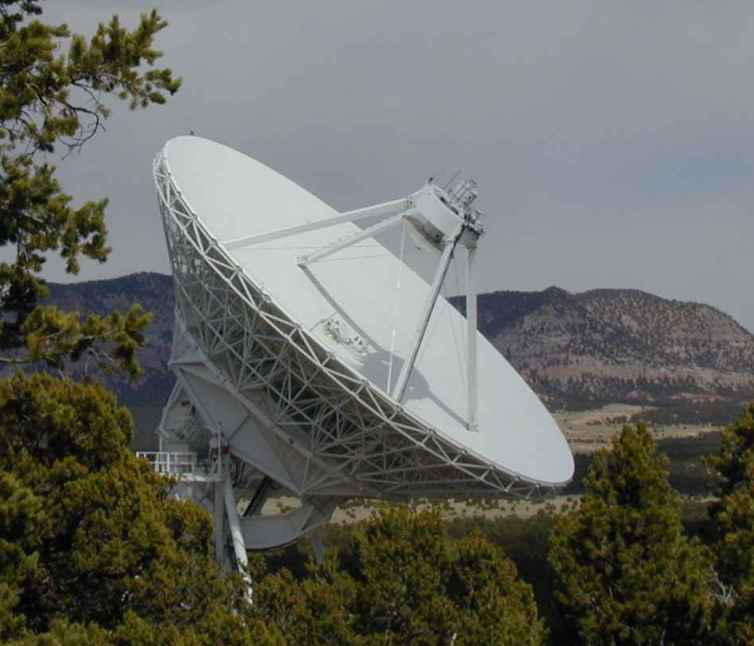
310, 359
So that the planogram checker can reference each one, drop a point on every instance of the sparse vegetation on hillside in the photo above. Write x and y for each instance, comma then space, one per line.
582, 351
684, 397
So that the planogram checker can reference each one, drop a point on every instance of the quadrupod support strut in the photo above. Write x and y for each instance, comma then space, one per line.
443, 218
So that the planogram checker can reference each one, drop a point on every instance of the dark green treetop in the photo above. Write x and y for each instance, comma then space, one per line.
405, 582
53, 90
734, 461
733, 526
624, 571
89, 535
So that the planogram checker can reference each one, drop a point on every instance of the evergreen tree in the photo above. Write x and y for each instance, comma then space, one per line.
93, 549
624, 571
406, 583
53, 90
90, 539
733, 525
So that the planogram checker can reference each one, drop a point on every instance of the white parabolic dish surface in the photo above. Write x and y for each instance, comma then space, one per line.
354, 294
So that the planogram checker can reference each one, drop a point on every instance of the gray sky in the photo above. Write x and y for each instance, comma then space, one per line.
613, 142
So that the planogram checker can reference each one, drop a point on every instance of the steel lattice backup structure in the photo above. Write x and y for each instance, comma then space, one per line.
312, 361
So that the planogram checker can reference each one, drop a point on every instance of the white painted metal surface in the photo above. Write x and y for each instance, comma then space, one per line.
326, 328
290, 324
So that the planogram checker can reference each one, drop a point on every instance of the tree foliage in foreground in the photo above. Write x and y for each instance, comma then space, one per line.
93, 549
90, 539
733, 524
53, 87
405, 582
624, 571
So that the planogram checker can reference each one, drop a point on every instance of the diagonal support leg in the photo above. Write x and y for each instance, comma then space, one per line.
218, 522
471, 340
260, 496
434, 292
234, 525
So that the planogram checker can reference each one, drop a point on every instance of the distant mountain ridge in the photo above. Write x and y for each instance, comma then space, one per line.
155, 293
609, 345
576, 350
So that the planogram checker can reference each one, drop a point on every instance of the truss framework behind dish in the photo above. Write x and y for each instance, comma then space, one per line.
351, 438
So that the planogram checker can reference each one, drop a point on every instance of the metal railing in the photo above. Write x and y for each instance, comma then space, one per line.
171, 464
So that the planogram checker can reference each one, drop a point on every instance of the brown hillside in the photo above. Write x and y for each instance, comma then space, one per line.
576, 350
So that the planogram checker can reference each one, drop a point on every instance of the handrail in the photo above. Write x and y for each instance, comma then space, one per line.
171, 463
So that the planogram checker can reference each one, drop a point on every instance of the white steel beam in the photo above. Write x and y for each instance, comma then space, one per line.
442, 270
351, 240
471, 340
383, 210
218, 512
234, 524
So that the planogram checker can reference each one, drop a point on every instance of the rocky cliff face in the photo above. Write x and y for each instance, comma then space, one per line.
619, 345
576, 350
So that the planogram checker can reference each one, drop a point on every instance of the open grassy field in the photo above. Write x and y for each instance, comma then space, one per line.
684, 444
586, 431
